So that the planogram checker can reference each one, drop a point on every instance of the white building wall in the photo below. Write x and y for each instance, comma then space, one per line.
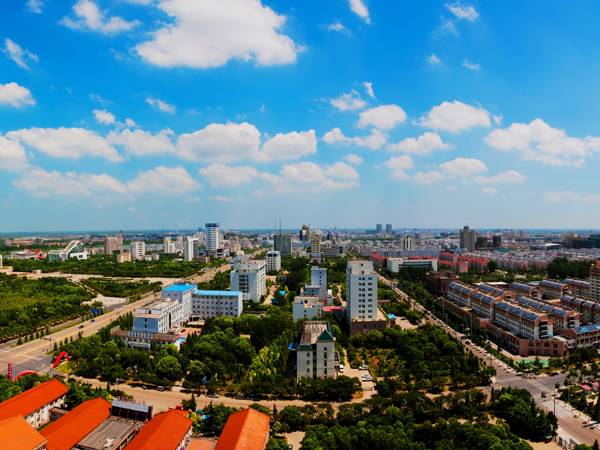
138, 250
213, 236
273, 261
250, 278
361, 290
210, 304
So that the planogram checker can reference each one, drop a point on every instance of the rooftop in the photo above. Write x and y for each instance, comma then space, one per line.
244, 430
164, 432
312, 331
108, 435
22, 436
218, 293
33, 399
180, 287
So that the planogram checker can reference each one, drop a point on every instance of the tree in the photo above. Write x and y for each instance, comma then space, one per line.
189, 404
169, 368
492, 266
292, 416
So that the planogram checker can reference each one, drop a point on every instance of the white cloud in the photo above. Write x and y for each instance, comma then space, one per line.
471, 66
374, 141
592, 198
222, 175
289, 146
422, 145
130, 123
163, 106
143, 143
433, 59
448, 25
209, 33
359, 8
383, 117
463, 11
560, 196
451, 188
303, 172
90, 17
18, 54
66, 142
104, 117
399, 164
538, 141
489, 190
369, 89
429, 177
455, 116
463, 167
497, 119
510, 176
164, 180
96, 98
12, 155
353, 159
335, 26
221, 198
34, 6
342, 170
132, 209
41, 183
15, 95
308, 176
348, 102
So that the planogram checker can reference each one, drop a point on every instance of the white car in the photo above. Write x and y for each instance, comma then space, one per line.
341, 368
363, 368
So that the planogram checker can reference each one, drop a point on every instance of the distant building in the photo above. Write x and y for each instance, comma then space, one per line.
595, 280
467, 239
211, 304
395, 264
579, 288
138, 250
190, 248
213, 236
273, 261
112, 245
250, 278
283, 244
168, 246
437, 283
388, 228
497, 241
524, 290
379, 228
75, 250
245, 430
552, 289
26, 254
315, 353
361, 291
334, 251
304, 235
124, 257
315, 244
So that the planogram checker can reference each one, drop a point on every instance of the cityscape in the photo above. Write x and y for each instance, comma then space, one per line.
275, 225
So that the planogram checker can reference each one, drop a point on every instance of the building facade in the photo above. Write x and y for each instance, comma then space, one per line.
249, 277
213, 236
212, 304
273, 261
75, 250
395, 264
595, 281
282, 243
315, 354
361, 290
138, 250
467, 239
552, 289
190, 248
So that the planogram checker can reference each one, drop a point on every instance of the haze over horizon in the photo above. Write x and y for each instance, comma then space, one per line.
151, 114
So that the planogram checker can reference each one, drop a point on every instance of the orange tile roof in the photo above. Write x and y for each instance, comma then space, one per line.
33, 399
77, 424
164, 432
245, 430
22, 436
201, 444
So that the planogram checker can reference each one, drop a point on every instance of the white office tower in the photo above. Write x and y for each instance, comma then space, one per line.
168, 245
138, 250
250, 278
0, 261
318, 277
273, 261
361, 291
213, 237
190, 248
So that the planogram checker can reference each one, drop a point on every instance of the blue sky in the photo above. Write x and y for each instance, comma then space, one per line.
149, 114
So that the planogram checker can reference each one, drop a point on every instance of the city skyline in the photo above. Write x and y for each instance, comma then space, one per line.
139, 114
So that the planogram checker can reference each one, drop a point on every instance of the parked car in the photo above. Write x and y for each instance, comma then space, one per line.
214, 395
80, 326
93, 320
160, 388
363, 368
240, 397
341, 368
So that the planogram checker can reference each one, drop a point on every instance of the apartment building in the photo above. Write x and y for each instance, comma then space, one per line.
361, 290
526, 323
467, 239
588, 309
562, 319
172, 310
138, 250
249, 277
112, 245
315, 354
315, 244
595, 281
283, 244
583, 336
460, 293
395, 264
273, 261
484, 305
211, 304
168, 246
552, 289
579, 288
190, 248
524, 290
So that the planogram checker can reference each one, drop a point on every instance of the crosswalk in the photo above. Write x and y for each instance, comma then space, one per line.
508, 379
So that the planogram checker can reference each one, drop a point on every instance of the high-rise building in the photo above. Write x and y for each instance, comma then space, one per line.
304, 235
315, 244
112, 245
120, 236
273, 261
283, 244
388, 228
379, 228
467, 239
190, 248
138, 250
318, 277
249, 277
361, 291
595, 281
406, 244
213, 237
168, 245
497, 241
330, 235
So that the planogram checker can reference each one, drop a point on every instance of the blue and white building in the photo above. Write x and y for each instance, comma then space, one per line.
211, 304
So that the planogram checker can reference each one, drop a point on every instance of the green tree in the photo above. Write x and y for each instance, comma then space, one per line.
169, 368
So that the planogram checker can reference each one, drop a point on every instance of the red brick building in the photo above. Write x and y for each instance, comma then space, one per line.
437, 283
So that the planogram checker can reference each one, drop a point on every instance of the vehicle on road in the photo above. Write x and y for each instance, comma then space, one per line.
363, 368
341, 368
80, 326
93, 320
160, 388
544, 394
468, 342
240, 397
213, 395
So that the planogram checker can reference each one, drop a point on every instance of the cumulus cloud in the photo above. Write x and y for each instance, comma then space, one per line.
359, 8
222, 175
489, 190
44, 184
510, 176
89, 17
592, 198
289, 146
374, 141
451, 188
455, 116
369, 89
143, 143
348, 102
342, 170
12, 155
163, 106
19, 55
463, 167
471, 66
66, 142
462, 11
538, 141
383, 117
434, 60
335, 26
221, 198
353, 159
420, 146
310, 177
560, 196
429, 177
497, 119
399, 164
212, 32
34, 6
15, 95
104, 117
169, 181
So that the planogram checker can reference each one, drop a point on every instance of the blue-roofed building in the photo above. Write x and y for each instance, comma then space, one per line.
552, 289
460, 293
583, 336
521, 289
210, 304
579, 288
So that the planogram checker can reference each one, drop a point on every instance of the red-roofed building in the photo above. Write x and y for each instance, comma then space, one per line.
22, 436
378, 261
71, 428
170, 430
245, 430
35, 404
